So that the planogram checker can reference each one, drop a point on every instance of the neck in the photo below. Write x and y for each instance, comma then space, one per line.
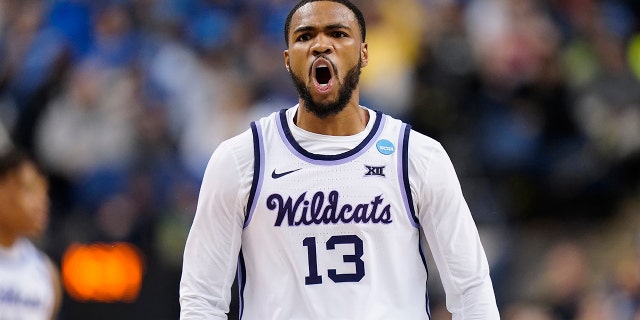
351, 120
7, 239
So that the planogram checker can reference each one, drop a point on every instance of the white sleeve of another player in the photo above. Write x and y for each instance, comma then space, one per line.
211, 250
450, 231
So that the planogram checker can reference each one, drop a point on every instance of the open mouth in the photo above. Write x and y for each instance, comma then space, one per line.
322, 74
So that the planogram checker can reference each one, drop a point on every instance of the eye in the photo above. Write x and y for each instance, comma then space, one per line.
303, 37
340, 34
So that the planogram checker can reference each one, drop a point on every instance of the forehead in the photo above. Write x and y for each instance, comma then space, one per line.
323, 13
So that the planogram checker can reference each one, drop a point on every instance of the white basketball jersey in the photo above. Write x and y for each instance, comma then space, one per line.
331, 236
26, 291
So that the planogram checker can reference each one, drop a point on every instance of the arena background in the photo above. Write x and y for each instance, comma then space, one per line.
536, 101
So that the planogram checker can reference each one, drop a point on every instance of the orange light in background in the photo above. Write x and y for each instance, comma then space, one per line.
103, 272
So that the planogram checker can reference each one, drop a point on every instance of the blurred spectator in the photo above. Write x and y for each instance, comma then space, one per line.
88, 130
608, 106
392, 33
29, 280
565, 279
33, 56
524, 311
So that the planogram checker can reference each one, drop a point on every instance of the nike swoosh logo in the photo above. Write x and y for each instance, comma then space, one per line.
282, 174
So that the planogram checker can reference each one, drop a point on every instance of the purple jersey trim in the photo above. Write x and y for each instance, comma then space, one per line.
403, 174
258, 170
321, 159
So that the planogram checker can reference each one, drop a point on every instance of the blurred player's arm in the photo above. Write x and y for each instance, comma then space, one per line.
451, 232
57, 288
213, 244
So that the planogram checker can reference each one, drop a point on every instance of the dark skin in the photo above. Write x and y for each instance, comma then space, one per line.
24, 204
24, 211
326, 33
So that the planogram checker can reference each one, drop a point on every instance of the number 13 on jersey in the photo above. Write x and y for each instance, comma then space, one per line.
355, 258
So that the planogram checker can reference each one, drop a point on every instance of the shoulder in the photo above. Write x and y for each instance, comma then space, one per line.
421, 143
241, 147
417, 141
234, 158
425, 154
30, 254
30, 251
421, 149
244, 142
27, 250
231, 158
237, 145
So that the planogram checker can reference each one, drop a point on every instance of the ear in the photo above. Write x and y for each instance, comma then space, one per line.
286, 60
364, 54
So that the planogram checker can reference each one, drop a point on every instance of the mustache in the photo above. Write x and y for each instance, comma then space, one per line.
323, 56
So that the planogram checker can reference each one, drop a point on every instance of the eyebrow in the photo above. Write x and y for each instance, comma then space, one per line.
328, 27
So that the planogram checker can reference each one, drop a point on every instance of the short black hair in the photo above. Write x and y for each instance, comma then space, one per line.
346, 3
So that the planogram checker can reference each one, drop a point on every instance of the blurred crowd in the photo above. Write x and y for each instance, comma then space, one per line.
536, 101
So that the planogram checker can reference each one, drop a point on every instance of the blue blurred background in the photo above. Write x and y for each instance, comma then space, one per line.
536, 101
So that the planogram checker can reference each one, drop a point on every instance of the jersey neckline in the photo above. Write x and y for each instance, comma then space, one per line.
293, 146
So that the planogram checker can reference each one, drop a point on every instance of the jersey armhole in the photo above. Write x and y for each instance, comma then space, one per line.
404, 142
258, 156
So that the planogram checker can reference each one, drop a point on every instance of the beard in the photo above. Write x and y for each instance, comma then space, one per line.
325, 109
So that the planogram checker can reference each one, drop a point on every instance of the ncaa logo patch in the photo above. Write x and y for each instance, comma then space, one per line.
385, 147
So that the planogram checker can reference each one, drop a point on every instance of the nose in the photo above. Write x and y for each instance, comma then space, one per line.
322, 45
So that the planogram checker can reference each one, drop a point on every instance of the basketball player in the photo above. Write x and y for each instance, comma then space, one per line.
29, 282
324, 206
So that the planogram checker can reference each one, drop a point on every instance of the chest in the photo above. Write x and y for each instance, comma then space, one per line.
25, 288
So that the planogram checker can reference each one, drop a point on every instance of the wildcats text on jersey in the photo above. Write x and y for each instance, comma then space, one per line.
314, 211
12, 296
